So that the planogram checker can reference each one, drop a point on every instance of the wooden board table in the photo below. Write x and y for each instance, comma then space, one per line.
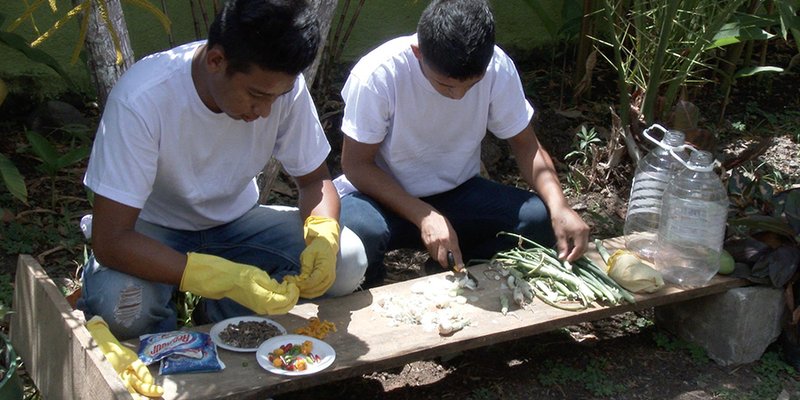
366, 341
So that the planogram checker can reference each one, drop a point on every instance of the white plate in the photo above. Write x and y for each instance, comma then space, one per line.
322, 349
220, 326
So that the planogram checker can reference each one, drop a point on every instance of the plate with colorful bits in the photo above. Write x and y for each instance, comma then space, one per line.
294, 355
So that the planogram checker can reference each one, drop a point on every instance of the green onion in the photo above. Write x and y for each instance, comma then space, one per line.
570, 286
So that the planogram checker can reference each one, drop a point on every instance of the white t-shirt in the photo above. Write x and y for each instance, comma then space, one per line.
160, 149
429, 143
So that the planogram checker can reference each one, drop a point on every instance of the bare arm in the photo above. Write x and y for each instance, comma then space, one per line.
118, 246
536, 167
358, 163
317, 195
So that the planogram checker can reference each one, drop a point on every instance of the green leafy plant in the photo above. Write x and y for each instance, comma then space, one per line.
584, 158
597, 382
37, 230
14, 181
771, 374
186, 303
658, 49
52, 162
585, 145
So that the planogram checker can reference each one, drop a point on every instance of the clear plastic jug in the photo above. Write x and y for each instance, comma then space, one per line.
692, 226
653, 173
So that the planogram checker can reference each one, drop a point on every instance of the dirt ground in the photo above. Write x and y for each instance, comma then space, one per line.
625, 357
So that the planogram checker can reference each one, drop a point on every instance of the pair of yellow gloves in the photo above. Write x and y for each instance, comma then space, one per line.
215, 277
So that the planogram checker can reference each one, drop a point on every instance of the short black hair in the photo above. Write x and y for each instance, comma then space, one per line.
456, 37
275, 35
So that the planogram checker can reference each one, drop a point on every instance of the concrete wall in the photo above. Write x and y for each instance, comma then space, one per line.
379, 20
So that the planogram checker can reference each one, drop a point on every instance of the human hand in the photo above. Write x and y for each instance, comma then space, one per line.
572, 233
318, 260
440, 238
131, 370
215, 277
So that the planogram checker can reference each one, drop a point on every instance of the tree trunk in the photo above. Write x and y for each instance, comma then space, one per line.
102, 55
325, 10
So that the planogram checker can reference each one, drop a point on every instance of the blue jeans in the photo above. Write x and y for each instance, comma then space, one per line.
477, 209
269, 237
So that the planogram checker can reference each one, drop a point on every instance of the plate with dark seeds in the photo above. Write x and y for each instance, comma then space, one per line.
244, 334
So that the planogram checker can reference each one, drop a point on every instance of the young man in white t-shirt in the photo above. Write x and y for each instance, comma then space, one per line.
182, 137
416, 110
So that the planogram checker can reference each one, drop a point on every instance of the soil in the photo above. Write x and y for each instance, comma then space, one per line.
624, 357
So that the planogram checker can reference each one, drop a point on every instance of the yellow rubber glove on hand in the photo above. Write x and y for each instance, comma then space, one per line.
131, 370
318, 260
215, 277
632, 274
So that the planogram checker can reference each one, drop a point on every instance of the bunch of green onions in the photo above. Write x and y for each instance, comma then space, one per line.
574, 286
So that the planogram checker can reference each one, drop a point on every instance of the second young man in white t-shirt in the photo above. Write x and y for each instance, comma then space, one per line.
416, 110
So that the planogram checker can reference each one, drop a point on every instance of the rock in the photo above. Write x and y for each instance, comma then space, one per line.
56, 114
734, 327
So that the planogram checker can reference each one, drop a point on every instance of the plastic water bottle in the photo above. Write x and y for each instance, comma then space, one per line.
653, 173
692, 226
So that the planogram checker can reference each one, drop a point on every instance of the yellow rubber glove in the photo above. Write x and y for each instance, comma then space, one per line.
632, 274
215, 277
131, 370
318, 260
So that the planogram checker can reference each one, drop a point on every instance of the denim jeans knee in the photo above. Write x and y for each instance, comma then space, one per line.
131, 306
365, 219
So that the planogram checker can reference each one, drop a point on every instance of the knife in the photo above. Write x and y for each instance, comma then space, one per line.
451, 262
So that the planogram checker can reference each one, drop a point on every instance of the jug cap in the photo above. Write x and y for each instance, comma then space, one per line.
699, 160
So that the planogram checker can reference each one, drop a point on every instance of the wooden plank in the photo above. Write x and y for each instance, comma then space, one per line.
367, 341
53, 343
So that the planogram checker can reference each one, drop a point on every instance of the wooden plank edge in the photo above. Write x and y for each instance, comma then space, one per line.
51, 339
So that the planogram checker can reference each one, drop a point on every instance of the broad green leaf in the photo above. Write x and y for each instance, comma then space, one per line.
42, 148
750, 71
73, 156
14, 181
735, 32
789, 18
18, 43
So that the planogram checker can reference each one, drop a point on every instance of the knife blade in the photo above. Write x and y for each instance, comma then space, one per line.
451, 262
